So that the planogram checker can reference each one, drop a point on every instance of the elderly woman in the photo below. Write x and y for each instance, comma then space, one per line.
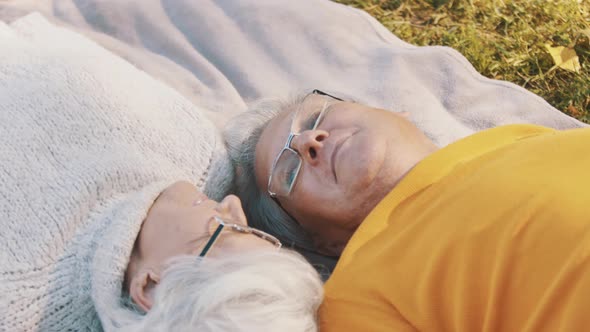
104, 226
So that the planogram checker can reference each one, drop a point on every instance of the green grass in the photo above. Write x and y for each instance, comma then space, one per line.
503, 39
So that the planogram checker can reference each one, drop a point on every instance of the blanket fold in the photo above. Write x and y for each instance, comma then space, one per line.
221, 55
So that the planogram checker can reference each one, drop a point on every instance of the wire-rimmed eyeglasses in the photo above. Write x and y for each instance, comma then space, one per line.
217, 225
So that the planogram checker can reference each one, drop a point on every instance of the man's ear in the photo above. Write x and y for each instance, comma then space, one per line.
142, 288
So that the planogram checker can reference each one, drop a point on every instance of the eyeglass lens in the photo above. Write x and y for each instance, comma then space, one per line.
288, 163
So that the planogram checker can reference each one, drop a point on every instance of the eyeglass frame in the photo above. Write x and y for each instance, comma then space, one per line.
287, 145
243, 229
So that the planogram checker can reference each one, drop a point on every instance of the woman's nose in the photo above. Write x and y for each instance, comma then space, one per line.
231, 207
309, 144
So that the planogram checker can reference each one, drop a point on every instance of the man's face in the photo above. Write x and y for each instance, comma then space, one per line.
348, 166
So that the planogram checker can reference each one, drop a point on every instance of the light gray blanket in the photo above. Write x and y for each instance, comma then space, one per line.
223, 54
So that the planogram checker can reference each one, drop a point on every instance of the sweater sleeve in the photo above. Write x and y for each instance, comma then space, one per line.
80, 286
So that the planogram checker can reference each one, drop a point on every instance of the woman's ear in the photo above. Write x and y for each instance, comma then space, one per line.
142, 288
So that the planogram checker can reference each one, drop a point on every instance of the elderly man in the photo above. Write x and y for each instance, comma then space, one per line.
490, 233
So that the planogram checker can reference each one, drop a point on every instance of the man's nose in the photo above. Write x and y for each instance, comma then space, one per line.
309, 144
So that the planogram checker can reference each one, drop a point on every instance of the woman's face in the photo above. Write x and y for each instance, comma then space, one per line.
181, 220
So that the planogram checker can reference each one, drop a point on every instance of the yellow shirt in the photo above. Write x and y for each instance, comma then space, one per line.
491, 233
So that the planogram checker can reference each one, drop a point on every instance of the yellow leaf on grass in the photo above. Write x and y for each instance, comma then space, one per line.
564, 57
583, 38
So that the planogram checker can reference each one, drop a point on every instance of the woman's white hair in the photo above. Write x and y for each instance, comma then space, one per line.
262, 290
242, 134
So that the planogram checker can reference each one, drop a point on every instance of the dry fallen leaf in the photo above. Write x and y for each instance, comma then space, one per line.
573, 111
564, 57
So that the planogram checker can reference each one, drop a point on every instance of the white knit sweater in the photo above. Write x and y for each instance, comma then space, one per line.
87, 142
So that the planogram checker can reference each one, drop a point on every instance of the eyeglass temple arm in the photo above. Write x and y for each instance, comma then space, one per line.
320, 92
211, 240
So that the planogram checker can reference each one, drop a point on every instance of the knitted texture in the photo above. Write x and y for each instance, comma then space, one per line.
87, 142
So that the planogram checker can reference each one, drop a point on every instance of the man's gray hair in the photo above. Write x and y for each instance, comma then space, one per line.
242, 134
262, 290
